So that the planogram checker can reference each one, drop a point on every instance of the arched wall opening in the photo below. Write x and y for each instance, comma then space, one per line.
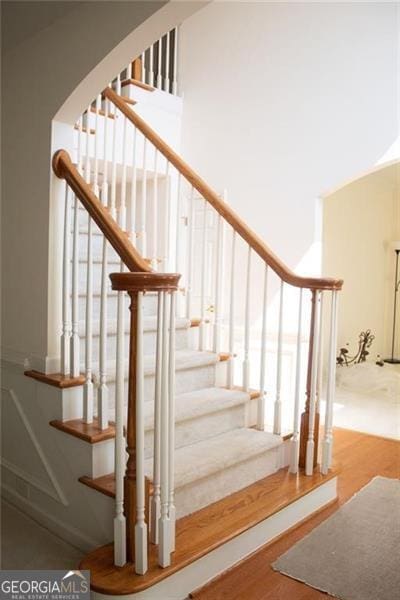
361, 229
52, 68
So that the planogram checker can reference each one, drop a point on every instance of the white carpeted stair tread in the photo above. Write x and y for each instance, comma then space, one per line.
197, 404
184, 360
149, 325
218, 453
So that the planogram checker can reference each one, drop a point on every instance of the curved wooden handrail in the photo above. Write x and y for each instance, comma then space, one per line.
254, 241
119, 240
145, 282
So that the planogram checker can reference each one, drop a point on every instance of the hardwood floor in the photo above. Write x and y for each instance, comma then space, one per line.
361, 457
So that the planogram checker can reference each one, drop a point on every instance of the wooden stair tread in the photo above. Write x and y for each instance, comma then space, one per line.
92, 434
56, 379
104, 484
144, 86
203, 531
102, 112
88, 432
84, 129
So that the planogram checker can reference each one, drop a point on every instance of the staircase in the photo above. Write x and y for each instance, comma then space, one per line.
174, 401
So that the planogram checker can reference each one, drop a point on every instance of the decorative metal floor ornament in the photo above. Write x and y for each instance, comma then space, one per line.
365, 340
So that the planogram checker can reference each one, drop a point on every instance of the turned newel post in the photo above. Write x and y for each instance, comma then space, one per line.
304, 426
130, 501
136, 484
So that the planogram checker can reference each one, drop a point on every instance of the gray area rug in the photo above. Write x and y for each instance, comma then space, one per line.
355, 554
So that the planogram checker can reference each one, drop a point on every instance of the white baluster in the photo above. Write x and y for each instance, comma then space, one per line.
96, 148
88, 387
143, 67
122, 204
314, 371
178, 225
140, 525
129, 74
278, 401
119, 519
80, 143
154, 212
320, 357
189, 281
66, 315
180, 248
102, 397
164, 548
167, 219
202, 331
261, 400
155, 499
75, 363
219, 274
295, 441
143, 204
151, 65
159, 57
171, 423
104, 186
246, 360
113, 203
326, 462
175, 66
232, 314
132, 211
166, 81
87, 161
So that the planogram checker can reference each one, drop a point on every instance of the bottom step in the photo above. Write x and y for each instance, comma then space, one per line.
216, 537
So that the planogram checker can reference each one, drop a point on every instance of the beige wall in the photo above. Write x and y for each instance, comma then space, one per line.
360, 222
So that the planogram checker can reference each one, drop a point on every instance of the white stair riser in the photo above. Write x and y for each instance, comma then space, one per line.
149, 306
149, 344
97, 271
97, 246
201, 428
186, 433
187, 380
204, 491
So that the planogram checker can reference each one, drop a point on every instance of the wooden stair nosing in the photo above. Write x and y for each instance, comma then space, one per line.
104, 484
102, 112
88, 432
84, 129
56, 379
203, 531
141, 84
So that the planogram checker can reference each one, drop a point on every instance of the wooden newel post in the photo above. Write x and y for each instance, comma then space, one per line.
130, 474
137, 284
304, 425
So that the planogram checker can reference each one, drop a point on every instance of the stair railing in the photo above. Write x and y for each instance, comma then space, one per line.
158, 65
132, 497
143, 203
248, 255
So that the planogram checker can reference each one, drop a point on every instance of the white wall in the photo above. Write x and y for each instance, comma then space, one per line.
55, 61
360, 223
285, 100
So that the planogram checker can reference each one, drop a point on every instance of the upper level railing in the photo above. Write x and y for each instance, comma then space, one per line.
158, 65
170, 229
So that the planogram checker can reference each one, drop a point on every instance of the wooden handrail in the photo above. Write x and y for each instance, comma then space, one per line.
119, 240
254, 241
